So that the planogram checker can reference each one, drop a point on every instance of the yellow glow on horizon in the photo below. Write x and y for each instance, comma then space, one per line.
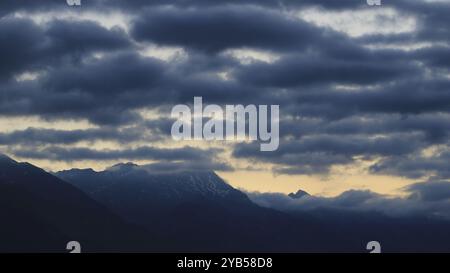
249, 175
266, 182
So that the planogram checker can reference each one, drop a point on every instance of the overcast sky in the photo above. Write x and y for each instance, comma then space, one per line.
363, 91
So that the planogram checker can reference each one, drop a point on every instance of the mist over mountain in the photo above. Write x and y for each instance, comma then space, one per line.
198, 211
191, 210
137, 208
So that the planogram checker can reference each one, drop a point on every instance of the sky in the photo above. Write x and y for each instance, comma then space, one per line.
363, 90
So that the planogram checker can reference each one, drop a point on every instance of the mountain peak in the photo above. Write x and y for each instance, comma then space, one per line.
299, 194
75, 171
6, 159
123, 167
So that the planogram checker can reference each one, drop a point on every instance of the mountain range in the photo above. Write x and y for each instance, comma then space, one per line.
131, 208
41, 213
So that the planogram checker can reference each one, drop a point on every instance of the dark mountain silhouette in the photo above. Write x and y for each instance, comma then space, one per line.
191, 211
41, 213
134, 208
132, 191
298, 194
198, 211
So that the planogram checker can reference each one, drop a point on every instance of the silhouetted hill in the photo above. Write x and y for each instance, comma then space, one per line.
132, 191
42, 213
198, 211
298, 194
134, 208
192, 211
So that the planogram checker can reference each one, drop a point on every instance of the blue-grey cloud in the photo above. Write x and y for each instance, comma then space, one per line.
140, 153
336, 92
425, 199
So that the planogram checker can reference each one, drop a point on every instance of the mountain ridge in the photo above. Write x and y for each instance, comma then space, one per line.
128, 208
30, 194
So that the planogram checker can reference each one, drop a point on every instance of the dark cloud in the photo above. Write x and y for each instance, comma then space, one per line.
317, 153
263, 3
101, 90
433, 128
294, 71
78, 37
340, 100
132, 6
117, 75
140, 153
405, 97
437, 56
430, 191
12, 6
217, 29
21, 42
170, 167
415, 165
109, 90
27, 46
428, 199
38, 136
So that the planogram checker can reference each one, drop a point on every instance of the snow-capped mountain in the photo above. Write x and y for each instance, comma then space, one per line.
134, 191
141, 208
299, 194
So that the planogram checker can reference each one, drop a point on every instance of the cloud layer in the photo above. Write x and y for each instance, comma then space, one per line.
380, 97
425, 199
